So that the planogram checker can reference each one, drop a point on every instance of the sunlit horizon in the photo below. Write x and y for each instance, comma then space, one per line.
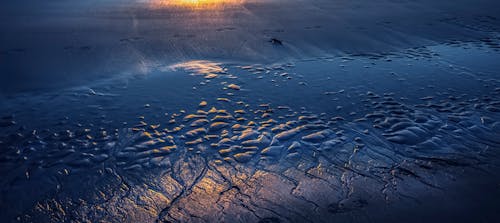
193, 4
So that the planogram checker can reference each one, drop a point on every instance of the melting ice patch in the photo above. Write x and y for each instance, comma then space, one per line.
311, 140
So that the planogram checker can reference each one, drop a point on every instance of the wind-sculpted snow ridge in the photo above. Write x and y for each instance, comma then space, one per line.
254, 163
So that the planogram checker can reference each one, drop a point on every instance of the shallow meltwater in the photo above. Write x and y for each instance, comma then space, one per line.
345, 138
52, 45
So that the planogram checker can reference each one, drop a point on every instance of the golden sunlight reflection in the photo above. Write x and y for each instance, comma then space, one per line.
193, 4
200, 67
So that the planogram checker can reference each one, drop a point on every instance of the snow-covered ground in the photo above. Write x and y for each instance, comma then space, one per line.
249, 111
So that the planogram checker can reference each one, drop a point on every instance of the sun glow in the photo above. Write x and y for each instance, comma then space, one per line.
194, 4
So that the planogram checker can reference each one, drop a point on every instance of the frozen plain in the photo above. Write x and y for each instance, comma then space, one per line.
169, 111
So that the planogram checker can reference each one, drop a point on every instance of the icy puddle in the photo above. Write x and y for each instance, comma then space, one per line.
348, 138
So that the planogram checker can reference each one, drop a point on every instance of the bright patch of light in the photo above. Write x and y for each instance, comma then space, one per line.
194, 4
